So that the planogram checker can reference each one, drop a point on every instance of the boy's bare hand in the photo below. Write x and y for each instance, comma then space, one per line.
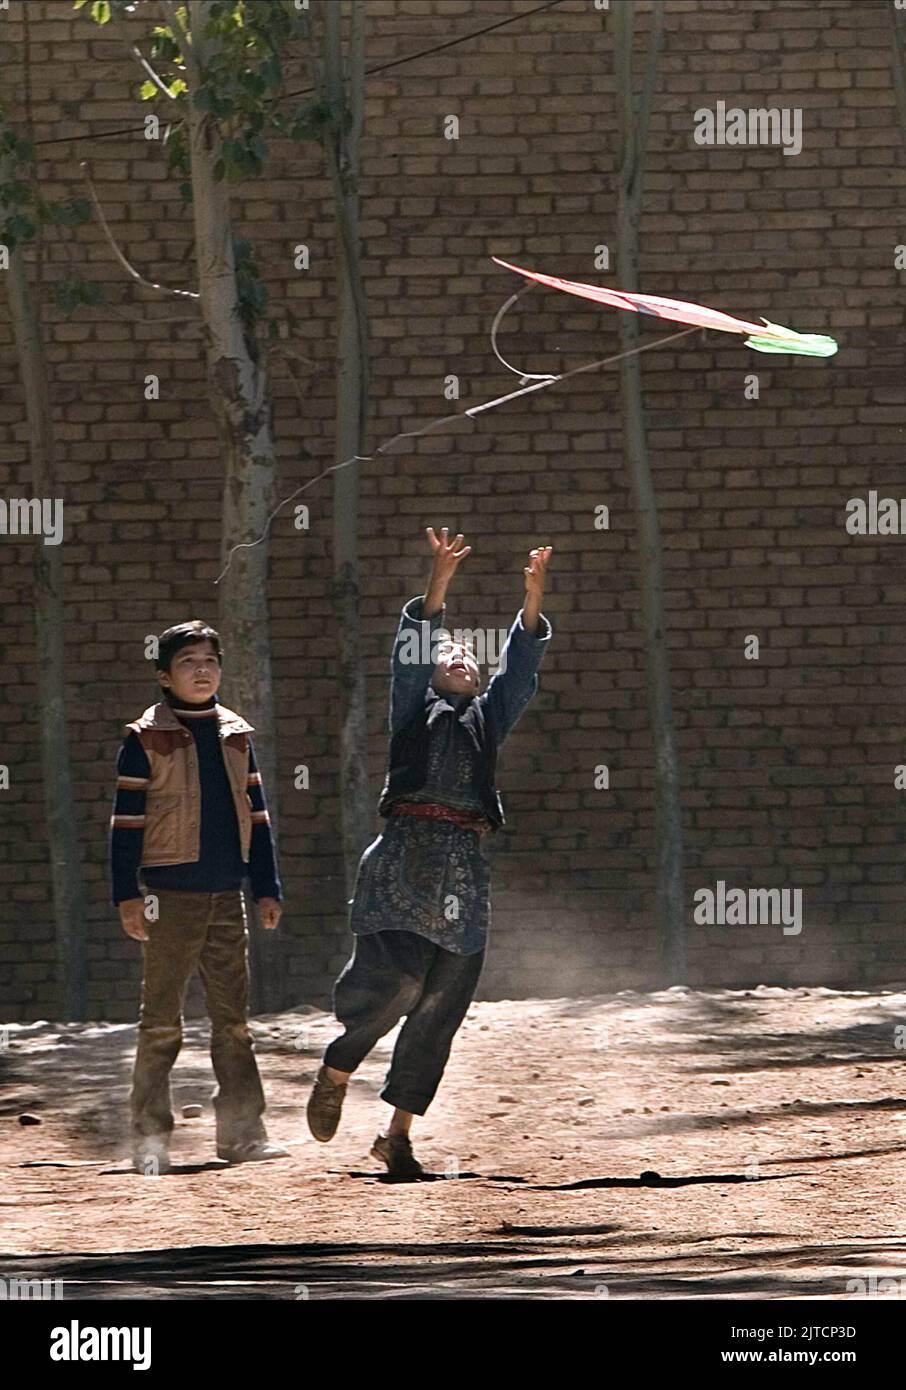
447, 553
535, 572
270, 912
132, 918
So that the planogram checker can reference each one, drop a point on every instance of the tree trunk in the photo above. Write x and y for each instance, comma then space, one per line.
666, 783
898, 62
66, 869
241, 401
341, 144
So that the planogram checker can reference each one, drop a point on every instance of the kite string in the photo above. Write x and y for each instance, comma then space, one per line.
501, 313
472, 412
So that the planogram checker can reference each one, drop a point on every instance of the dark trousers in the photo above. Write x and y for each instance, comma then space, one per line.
207, 932
393, 973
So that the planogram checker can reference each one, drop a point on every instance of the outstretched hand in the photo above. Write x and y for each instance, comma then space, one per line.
447, 556
535, 573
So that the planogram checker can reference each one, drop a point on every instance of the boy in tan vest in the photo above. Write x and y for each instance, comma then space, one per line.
190, 820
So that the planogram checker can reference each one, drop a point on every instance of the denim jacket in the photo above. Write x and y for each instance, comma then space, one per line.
444, 748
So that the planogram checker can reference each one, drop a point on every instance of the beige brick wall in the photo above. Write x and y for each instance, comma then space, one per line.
788, 761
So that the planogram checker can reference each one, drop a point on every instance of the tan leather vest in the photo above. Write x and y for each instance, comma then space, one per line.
173, 806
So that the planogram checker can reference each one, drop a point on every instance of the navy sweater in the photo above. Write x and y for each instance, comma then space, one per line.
219, 868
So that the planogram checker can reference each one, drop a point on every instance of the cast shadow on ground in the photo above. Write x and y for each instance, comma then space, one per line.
549, 1262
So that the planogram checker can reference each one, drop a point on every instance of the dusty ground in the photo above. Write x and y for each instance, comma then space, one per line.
776, 1120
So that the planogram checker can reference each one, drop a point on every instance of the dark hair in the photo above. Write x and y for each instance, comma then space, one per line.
185, 635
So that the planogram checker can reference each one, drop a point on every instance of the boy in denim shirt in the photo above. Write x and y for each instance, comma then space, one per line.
420, 912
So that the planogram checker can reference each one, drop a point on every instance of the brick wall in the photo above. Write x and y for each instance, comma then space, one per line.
788, 761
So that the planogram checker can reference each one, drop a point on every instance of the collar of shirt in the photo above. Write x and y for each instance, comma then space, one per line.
186, 709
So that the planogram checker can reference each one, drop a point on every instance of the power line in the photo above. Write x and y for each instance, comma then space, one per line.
369, 72
451, 43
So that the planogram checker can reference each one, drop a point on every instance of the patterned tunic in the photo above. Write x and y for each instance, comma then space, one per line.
425, 876
431, 876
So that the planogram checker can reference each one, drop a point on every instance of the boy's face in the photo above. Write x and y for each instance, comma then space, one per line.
194, 673
457, 672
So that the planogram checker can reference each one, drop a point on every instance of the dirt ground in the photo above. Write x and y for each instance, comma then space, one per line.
770, 1124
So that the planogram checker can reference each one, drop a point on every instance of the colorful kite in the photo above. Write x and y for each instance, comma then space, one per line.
763, 337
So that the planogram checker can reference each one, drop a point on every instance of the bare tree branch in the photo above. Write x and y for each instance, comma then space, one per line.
143, 62
318, 368
284, 354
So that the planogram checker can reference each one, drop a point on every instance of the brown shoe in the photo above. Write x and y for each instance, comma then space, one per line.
325, 1105
396, 1151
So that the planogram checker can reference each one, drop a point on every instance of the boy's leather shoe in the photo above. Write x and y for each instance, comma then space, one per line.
325, 1105
396, 1151
256, 1151
151, 1156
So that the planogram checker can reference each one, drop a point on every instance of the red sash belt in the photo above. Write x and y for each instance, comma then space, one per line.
467, 819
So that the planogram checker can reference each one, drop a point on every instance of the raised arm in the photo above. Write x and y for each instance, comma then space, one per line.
517, 674
414, 649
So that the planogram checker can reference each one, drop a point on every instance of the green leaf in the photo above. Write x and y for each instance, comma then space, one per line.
69, 294
100, 11
18, 228
233, 151
253, 83
72, 214
16, 191
164, 47
309, 120
271, 72
147, 90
